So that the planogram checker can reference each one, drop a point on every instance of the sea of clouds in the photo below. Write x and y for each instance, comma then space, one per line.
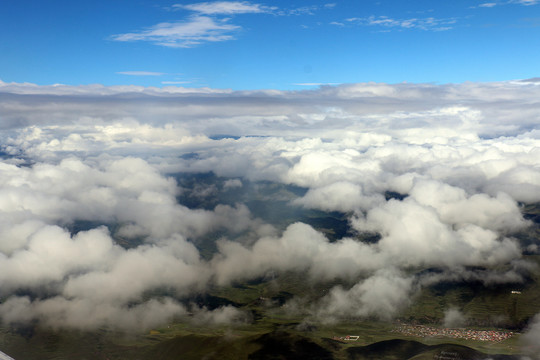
467, 155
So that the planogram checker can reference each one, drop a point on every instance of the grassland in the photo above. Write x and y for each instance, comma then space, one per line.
275, 333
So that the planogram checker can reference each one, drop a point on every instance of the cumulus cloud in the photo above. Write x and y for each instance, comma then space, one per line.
381, 295
338, 196
299, 248
455, 207
530, 338
90, 211
414, 235
73, 274
453, 318
83, 314
232, 183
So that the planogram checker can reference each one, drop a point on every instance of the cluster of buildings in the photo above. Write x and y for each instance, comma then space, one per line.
347, 338
468, 334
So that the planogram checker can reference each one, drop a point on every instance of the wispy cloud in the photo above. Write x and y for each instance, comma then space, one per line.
209, 22
140, 73
184, 34
428, 24
497, 3
206, 24
225, 7
304, 10
525, 2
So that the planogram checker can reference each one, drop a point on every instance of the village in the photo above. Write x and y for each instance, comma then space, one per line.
455, 333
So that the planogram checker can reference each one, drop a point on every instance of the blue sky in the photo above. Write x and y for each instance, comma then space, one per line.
267, 44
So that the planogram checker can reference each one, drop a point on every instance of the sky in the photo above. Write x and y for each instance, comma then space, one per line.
267, 45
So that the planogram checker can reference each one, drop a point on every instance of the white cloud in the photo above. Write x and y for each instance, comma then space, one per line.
414, 235
82, 314
465, 154
184, 34
453, 206
526, 2
225, 7
430, 23
530, 338
381, 295
520, 2
206, 24
299, 248
232, 184
338, 196
453, 318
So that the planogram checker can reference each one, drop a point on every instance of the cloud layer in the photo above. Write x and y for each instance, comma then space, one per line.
91, 222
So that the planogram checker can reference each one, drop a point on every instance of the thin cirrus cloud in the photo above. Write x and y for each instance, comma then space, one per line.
525, 2
203, 26
519, 2
428, 24
209, 22
183, 34
225, 7
244, 7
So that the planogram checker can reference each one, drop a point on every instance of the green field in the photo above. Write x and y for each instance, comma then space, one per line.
274, 333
